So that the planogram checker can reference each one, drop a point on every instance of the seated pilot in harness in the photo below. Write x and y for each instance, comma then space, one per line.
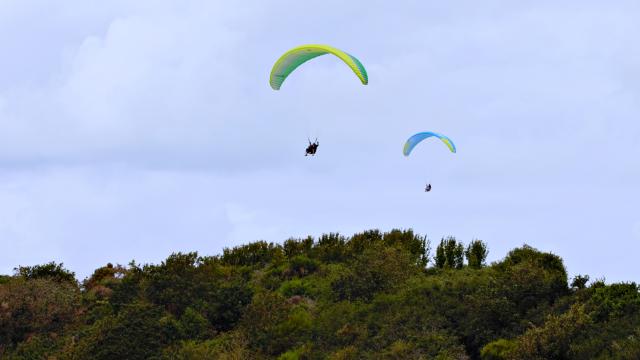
312, 148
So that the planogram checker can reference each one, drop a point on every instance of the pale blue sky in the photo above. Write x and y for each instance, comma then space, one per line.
130, 130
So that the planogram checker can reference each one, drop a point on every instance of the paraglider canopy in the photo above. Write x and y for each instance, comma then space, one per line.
297, 56
417, 138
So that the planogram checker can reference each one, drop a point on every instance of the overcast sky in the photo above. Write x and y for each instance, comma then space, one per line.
131, 130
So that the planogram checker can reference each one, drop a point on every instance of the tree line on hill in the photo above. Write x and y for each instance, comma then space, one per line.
373, 295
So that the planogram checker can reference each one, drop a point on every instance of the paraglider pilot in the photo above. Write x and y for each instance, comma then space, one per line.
427, 188
312, 148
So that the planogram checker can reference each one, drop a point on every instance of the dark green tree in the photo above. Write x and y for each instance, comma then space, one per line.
377, 269
294, 247
331, 248
579, 281
36, 306
51, 270
449, 254
476, 254
133, 334
257, 253
418, 246
531, 278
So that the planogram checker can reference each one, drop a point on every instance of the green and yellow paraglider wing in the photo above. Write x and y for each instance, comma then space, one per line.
301, 54
417, 138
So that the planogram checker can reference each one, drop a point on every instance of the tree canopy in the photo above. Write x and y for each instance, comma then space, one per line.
373, 295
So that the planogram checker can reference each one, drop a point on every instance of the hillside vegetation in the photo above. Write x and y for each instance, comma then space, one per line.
373, 295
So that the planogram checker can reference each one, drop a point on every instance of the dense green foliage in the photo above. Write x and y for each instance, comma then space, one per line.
369, 296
